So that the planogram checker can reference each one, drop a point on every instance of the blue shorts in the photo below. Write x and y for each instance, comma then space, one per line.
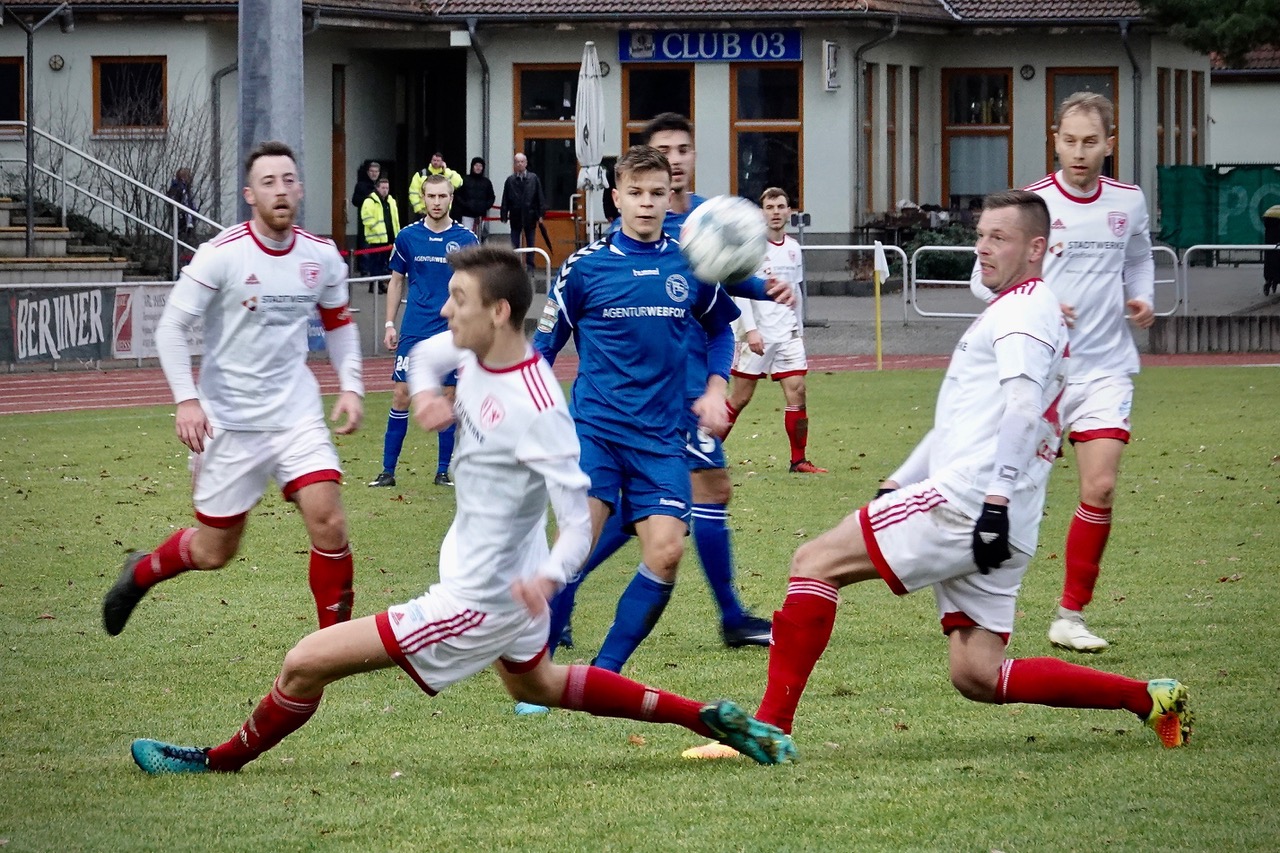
701, 450
406, 344
634, 483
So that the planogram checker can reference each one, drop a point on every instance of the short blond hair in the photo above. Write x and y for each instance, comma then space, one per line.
1092, 102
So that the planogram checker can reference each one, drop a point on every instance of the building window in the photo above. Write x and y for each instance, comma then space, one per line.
12, 92
651, 89
914, 133
1197, 117
129, 93
1162, 116
545, 99
765, 131
977, 134
891, 117
1062, 83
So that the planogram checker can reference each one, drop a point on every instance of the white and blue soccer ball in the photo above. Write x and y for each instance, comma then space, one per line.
724, 239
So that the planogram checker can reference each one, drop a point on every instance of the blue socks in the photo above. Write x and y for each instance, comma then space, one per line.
638, 611
445, 443
711, 535
397, 426
612, 537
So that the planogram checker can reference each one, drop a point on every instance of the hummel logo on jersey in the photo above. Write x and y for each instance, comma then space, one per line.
671, 502
1058, 223
639, 273
251, 303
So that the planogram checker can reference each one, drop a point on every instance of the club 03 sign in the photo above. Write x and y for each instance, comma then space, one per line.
709, 45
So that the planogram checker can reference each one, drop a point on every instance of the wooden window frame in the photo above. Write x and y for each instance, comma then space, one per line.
913, 132
1162, 116
522, 128
868, 108
1179, 116
127, 131
1197, 118
737, 125
1051, 108
630, 126
953, 130
892, 79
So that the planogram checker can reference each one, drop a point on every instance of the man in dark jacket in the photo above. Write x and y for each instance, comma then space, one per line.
473, 199
366, 185
523, 204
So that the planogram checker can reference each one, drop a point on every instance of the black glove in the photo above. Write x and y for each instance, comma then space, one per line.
882, 492
991, 537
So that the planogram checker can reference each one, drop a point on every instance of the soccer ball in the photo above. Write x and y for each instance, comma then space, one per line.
724, 239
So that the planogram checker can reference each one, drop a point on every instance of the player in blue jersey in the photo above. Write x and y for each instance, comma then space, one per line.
628, 300
420, 257
672, 135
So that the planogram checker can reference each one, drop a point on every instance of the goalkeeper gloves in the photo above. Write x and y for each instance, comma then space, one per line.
991, 537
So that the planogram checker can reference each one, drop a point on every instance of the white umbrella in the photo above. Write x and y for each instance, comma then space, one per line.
588, 126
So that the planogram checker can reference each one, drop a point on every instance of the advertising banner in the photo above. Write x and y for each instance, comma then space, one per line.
49, 324
136, 313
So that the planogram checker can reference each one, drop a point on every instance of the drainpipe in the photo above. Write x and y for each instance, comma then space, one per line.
1137, 103
858, 96
484, 92
216, 152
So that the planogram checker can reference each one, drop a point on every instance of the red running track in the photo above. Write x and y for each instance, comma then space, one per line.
80, 390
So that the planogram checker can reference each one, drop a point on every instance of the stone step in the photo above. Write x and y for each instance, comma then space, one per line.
47, 243
1237, 333
19, 220
81, 249
96, 269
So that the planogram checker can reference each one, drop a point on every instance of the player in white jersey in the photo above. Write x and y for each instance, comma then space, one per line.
771, 336
257, 413
1099, 264
517, 448
962, 513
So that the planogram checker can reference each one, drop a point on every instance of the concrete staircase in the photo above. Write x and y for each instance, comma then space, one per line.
61, 256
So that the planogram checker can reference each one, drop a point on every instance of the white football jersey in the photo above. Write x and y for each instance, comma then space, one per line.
1091, 240
1021, 333
514, 435
776, 323
256, 302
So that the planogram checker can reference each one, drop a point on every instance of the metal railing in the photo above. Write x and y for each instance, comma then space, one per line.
889, 249
1178, 281
1187, 254
910, 294
175, 211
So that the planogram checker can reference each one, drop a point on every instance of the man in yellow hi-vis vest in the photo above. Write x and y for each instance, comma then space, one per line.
380, 219
437, 167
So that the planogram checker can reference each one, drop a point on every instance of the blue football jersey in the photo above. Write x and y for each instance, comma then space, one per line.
421, 256
629, 307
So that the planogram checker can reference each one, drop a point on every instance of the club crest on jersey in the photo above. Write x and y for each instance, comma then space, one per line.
310, 273
1118, 221
677, 288
491, 413
451, 247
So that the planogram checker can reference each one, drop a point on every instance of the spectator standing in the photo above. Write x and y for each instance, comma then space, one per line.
523, 205
380, 223
437, 167
180, 190
472, 201
366, 182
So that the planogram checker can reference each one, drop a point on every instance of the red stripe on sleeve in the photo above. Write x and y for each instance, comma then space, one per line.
333, 318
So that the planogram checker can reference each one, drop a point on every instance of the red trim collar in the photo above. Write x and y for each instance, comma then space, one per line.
1070, 196
277, 253
519, 365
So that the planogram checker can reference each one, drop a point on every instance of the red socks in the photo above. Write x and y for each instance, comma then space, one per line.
276, 717
1086, 540
801, 631
330, 574
796, 420
171, 557
733, 418
1049, 681
607, 694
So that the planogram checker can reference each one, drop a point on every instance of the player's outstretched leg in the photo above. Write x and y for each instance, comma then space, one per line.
124, 595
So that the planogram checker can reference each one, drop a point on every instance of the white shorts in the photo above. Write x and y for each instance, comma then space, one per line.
231, 475
916, 539
1098, 408
779, 361
438, 639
